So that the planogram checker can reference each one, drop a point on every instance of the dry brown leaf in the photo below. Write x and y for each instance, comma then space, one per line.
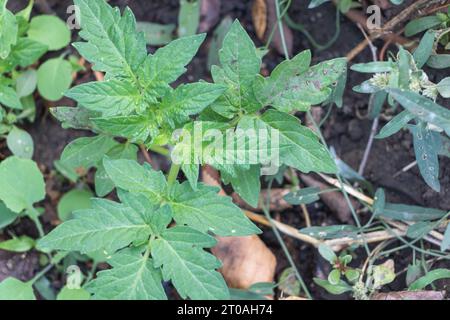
410, 295
246, 260
259, 15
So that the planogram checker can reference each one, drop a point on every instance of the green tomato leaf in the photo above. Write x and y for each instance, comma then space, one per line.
107, 226
112, 43
191, 270
205, 210
103, 184
130, 176
136, 128
246, 182
87, 152
132, 277
167, 65
190, 99
111, 98
26, 52
299, 146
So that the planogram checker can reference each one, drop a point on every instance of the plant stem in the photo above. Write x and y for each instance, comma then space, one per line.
280, 29
159, 149
173, 174
41, 273
344, 192
282, 244
34, 216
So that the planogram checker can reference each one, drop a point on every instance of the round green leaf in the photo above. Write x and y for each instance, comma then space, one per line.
20, 143
334, 277
54, 78
49, 30
21, 183
352, 275
73, 200
73, 294
327, 253
13, 289
26, 83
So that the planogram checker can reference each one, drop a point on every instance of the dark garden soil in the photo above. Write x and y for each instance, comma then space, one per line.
347, 130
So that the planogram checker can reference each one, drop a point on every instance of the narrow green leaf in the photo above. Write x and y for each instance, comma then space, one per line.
427, 145
425, 48
20, 244
303, 196
188, 17
423, 108
411, 213
418, 25
429, 278
373, 67
395, 124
